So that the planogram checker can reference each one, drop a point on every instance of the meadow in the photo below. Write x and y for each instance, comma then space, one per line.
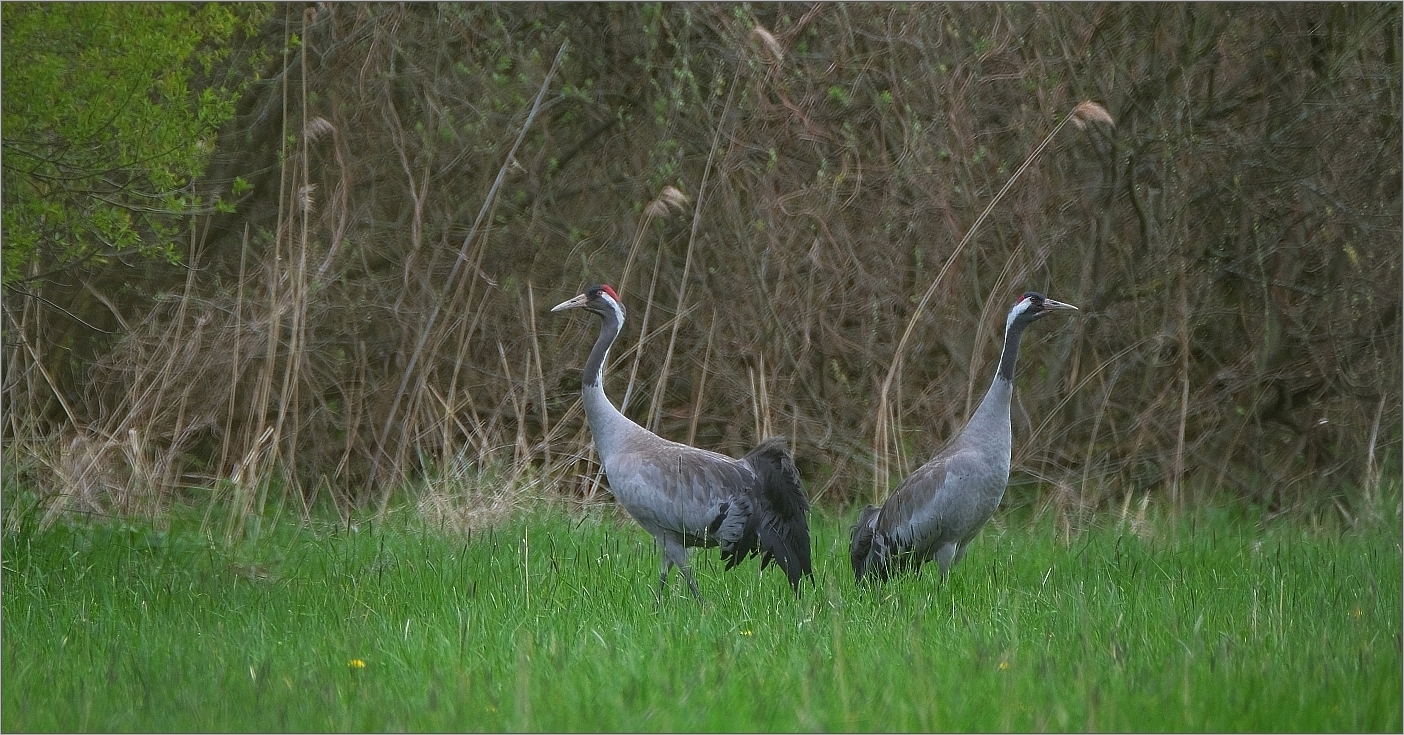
1215, 621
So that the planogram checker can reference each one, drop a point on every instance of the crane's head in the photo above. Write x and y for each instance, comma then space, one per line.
1033, 305
599, 299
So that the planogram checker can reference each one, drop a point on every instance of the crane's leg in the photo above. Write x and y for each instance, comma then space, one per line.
674, 553
960, 553
696, 593
946, 556
664, 568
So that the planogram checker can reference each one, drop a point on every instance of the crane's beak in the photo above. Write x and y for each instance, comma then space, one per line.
1051, 305
574, 303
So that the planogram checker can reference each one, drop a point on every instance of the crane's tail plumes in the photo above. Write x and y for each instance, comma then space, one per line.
781, 520
865, 548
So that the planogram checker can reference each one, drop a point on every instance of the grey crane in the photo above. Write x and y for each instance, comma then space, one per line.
937, 510
688, 497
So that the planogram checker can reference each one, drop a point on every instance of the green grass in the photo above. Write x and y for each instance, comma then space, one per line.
551, 623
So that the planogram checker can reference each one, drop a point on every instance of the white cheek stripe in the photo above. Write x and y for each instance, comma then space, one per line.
615, 305
1020, 307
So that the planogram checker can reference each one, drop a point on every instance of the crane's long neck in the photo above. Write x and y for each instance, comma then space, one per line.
607, 425
1012, 332
993, 412
594, 367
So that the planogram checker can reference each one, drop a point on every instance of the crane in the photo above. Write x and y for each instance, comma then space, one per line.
938, 509
688, 497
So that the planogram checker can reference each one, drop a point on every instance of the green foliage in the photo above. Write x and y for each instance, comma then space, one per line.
110, 112
551, 623
1234, 257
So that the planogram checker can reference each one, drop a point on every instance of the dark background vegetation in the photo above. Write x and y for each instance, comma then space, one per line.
374, 309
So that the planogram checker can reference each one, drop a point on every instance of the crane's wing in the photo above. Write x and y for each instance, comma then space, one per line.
906, 517
780, 518
680, 489
860, 546
885, 539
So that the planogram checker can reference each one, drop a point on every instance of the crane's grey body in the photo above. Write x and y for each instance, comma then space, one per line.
939, 509
684, 496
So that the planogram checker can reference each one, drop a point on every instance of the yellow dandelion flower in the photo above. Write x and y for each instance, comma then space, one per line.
357, 663
1003, 665
747, 633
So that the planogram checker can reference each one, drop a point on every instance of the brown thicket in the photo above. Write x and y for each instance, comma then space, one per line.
772, 189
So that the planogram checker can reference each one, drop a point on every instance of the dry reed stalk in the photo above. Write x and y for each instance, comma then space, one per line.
298, 296
643, 330
543, 407
149, 390
525, 456
452, 405
699, 397
464, 293
76, 468
164, 484
767, 40
511, 395
466, 506
450, 420
418, 193
1107, 387
661, 386
355, 402
240, 286
1177, 467
887, 425
1372, 472
467, 328
48, 379
262, 397
1136, 524
336, 208
662, 205
488, 203
142, 473
755, 399
254, 459
18, 373
248, 482
148, 475
1077, 387
764, 400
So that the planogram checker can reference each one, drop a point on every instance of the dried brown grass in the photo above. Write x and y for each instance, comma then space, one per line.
870, 185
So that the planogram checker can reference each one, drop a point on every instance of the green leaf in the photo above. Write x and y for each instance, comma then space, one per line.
102, 127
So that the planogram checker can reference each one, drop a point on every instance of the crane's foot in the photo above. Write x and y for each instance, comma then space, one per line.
692, 585
675, 554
